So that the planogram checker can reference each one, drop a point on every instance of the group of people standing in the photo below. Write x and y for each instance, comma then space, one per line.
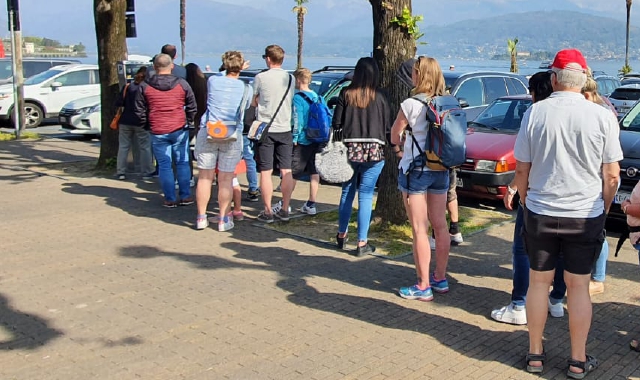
567, 171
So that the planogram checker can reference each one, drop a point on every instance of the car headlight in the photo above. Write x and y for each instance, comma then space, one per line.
83, 110
485, 166
97, 108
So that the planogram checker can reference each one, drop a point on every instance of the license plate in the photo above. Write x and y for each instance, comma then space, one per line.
621, 196
459, 182
64, 120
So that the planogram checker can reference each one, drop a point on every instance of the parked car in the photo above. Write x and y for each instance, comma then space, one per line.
476, 90
623, 98
630, 164
606, 83
330, 80
75, 119
46, 93
30, 67
490, 164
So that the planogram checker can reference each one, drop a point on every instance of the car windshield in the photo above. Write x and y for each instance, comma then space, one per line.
623, 93
631, 121
39, 78
502, 115
320, 84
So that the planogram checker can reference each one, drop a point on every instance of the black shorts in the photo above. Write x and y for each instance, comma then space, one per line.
304, 160
278, 146
578, 240
453, 182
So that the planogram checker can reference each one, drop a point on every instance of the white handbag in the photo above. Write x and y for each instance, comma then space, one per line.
332, 164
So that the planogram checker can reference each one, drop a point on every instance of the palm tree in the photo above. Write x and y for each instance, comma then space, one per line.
626, 51
183, 26
511, 47
300, 11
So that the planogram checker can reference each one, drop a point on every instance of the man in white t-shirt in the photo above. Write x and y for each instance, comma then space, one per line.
567, 173
273, 96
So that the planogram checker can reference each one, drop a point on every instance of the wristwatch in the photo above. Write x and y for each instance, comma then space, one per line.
511, 190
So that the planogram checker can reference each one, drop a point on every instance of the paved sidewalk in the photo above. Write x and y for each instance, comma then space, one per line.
98, 281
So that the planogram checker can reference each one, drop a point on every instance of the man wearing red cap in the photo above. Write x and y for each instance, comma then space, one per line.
567, 173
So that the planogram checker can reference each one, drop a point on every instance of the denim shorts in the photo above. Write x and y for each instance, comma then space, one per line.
420, 182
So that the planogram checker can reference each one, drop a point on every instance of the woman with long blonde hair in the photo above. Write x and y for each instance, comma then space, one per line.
424, 190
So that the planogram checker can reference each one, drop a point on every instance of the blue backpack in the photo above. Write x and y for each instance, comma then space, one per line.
447, 131
318, 121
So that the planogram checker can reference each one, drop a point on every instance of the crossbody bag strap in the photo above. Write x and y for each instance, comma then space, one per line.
281, 101
241, 108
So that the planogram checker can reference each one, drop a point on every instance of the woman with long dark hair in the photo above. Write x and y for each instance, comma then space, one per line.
198, 83
362, 119
131, 128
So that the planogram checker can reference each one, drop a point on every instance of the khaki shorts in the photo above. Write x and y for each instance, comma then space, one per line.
224, 155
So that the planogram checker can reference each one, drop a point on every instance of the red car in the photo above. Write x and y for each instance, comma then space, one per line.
490, 165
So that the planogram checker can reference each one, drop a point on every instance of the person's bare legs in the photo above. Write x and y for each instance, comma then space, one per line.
314, 185
437, 208
418, 216
286, 186
452, 208
580, 313
537, 308
203, 189
237, 195
266, 188
225, 193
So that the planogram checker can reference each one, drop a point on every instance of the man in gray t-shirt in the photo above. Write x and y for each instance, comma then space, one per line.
271, 88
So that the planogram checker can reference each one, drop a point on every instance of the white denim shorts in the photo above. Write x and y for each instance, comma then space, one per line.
211, 153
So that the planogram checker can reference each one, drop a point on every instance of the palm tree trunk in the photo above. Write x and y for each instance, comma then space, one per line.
626, 50
300, 36
183, 26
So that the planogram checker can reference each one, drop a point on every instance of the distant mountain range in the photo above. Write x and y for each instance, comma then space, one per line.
344, 27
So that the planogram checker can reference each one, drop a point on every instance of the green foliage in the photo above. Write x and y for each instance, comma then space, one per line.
626, 69
50, 43
110, 163
409, 24
512, 46
80, 48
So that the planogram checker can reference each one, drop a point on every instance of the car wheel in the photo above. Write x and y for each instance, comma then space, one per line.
33, 115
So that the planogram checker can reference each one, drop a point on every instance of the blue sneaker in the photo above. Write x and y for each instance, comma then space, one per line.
441, 286
415, 293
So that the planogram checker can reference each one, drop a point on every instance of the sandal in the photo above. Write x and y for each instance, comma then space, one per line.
634, 345
587, 366
535, 358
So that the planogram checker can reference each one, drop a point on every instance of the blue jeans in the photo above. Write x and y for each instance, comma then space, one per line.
599, 269
521, 269
173, 148
250, 162
365, 176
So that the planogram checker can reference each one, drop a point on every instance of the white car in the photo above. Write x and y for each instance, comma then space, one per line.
624, 97
46, 93
79, 116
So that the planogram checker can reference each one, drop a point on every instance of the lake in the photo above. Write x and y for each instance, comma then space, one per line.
610, 67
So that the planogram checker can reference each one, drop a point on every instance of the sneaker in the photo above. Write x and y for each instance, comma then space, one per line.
202, 223
596, 287
225, 226
186, 201
266, 218
308, 210
415, 293
511, 314
277, 207
557, 310
441, 286
282, 215
147, 177
216, 219
192, 182
365, 250
253, 196
432, 242
121, 177
169, 204
456, 239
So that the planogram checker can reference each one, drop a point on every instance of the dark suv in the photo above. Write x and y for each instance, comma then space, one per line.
476, 90
630, 164
30, 67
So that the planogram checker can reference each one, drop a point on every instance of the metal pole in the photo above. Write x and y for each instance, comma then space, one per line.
13, 73
13, 6
18, 79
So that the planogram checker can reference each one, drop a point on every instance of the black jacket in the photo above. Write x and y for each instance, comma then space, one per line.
128, 101
371, 124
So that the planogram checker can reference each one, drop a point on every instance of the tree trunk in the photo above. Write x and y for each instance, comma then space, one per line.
183, 27
626, 50
300, 35
391, 47
109, 17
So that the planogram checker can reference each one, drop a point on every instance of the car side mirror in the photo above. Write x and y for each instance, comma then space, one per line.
463, 102
333, 102
56, 85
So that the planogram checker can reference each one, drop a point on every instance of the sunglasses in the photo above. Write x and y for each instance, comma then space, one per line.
264, 56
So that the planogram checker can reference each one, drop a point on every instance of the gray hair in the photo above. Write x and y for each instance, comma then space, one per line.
572, 76
162, 61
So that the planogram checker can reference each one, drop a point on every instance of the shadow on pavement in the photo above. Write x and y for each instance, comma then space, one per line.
27, 331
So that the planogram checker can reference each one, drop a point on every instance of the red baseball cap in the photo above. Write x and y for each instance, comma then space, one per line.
567, 56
